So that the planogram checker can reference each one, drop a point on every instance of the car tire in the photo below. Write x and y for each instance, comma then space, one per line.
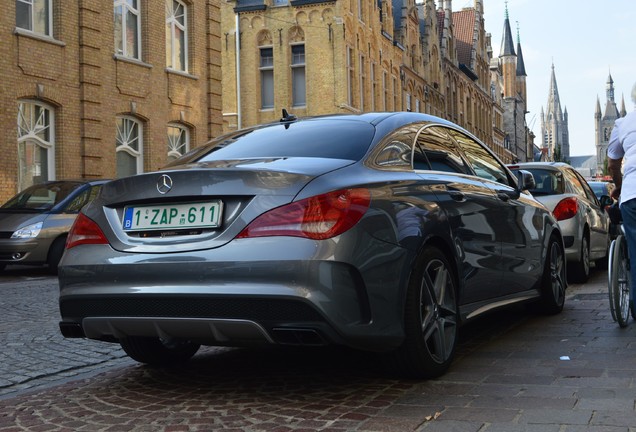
157, 352
431, 319
579, 271
55, 254
553, 281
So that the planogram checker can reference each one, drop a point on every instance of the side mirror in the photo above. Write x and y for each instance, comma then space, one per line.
525, 180
606, 200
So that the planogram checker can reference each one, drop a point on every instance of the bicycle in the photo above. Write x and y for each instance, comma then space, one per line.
619, 279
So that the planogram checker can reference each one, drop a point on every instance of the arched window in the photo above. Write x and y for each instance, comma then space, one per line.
36, 144
178, 141
129, 147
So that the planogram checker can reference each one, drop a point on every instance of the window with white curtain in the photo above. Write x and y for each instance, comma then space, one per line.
176, 35
178, 141
127, 28
129, 147
36, 144
35, 16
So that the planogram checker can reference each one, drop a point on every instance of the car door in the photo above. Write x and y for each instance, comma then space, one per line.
516, 219
468, 204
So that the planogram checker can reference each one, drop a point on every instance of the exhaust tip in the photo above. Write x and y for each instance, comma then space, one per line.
298, 337
71, 330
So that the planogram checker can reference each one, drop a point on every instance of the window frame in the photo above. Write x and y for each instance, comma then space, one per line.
172, 23
127, 148
32, 136
266, 70
48, 32
296, 67
137, 12
173, 148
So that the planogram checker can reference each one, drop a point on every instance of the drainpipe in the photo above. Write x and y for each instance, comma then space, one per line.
238, 74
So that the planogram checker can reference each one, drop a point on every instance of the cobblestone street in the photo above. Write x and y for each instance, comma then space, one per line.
515, 371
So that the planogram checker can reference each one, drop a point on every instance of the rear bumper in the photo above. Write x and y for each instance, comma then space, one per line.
226, 296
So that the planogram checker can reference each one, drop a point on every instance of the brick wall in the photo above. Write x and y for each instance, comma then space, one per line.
78, 76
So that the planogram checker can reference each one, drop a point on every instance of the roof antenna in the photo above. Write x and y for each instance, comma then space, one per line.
287, 117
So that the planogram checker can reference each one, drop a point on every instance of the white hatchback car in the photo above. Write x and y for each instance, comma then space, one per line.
583, 221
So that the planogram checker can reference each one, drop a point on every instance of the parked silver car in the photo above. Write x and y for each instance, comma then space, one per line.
583, 221
34, 223
380, 231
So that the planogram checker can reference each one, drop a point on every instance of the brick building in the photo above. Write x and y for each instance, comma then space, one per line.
314, 57
99, 89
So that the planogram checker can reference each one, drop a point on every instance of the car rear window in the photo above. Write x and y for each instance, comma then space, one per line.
548, 182
332, 139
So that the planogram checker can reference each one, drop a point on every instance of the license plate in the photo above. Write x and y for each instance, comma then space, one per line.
174, 216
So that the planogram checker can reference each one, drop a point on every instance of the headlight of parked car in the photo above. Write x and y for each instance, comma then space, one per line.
27, 232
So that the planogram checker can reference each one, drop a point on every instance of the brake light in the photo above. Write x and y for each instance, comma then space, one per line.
566, 208
318, 218
85, 231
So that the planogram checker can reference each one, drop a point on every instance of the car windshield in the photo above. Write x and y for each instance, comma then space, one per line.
332, 139
548, 182
41, 197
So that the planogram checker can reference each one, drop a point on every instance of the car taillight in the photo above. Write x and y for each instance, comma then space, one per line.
318, 218
84, 231
566, 209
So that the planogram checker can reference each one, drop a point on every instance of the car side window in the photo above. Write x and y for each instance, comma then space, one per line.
484, 164
591, 196
575, 182
82, 199
433, 144
395, 151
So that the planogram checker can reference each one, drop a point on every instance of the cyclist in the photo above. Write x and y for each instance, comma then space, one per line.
622, 145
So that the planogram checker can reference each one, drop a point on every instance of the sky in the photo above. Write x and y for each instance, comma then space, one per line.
586, 40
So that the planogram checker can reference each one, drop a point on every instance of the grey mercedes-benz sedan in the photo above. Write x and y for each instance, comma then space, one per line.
382, 232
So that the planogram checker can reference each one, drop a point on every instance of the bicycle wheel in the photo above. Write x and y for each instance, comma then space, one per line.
620, 281
610, 271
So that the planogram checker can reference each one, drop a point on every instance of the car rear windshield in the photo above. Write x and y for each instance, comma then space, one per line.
40, 197
332, 139
548, 182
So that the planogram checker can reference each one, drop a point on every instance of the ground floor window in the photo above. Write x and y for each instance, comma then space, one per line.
178, 141
36, 144
129, 147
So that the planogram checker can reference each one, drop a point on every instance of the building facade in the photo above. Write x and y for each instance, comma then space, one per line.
105, 89
315, 57
604, 123
555, 136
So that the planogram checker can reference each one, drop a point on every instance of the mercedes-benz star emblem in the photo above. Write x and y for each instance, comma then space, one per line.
164, 184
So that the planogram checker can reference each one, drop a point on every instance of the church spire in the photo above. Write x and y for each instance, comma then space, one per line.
623, 112
521, 67
555, 129
508, 60
507, 44
610, 89
554, 104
